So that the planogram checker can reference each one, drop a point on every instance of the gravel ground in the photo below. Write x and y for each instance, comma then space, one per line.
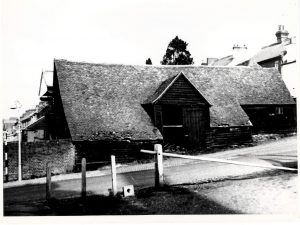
270, 193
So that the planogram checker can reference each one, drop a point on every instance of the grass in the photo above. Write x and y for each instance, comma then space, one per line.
149, 201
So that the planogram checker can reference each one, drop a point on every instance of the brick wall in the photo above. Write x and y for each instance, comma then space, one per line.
35, 155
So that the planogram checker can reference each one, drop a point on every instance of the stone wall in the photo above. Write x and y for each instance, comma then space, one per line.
35, 155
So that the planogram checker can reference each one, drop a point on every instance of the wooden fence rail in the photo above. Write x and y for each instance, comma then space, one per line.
159, 162
220, 160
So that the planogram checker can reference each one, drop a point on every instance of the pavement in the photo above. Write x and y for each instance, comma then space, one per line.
19, 195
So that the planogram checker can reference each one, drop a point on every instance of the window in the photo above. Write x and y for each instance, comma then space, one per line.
172, 115
234, 129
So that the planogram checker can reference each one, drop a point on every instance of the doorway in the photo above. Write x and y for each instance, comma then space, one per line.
184, 125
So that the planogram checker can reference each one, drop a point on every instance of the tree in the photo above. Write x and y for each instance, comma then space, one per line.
177, 54
148, 61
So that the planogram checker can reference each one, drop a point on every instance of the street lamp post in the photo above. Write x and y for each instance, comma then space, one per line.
18, 106
20, 152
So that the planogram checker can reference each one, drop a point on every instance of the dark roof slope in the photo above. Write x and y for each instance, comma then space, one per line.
103, 101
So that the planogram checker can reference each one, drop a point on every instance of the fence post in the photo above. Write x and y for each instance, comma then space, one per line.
6, 157
159, 176
113, 175
83, 178
48, 183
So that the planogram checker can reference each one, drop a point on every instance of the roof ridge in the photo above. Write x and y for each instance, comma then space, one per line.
267, 46
153, 66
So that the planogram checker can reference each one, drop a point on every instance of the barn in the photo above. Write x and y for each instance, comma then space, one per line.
112, 107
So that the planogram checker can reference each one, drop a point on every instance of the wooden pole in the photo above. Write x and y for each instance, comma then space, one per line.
83, 178
113, 175
48, 183
159, 177
220, 160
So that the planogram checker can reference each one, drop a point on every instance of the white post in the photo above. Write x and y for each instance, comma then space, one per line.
83, 178
6, 157
19, 152
159, 176
48, 181
113, 175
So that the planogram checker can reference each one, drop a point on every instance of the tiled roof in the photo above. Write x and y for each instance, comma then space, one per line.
160, 90
40, 123
231, 60
225, 61
28, 114
104, 101
269, 52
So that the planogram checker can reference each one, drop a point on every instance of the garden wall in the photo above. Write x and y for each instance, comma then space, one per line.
35, 155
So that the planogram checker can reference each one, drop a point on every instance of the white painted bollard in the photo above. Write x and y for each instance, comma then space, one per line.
113, 175
6, 158
83, 178
159, 176
48, 181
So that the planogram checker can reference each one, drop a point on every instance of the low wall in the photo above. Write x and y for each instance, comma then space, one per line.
97, 153
221, 137
35, 155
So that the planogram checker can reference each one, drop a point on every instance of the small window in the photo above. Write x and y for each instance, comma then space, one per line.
172, 115
279, 110
234, 129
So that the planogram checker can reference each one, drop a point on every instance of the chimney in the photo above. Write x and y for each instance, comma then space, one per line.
281, 34
239, 48
239, 51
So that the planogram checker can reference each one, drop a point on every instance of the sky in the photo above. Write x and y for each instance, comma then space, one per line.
34, 32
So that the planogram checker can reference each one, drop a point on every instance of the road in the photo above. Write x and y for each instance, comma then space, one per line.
272, 153
273, 192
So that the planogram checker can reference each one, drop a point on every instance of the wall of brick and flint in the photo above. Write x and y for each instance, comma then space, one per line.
66, 156
35, 155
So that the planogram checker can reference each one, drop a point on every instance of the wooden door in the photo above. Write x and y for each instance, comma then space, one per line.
194, 127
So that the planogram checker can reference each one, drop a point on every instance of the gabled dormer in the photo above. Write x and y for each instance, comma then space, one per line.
180, 111
177, 90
